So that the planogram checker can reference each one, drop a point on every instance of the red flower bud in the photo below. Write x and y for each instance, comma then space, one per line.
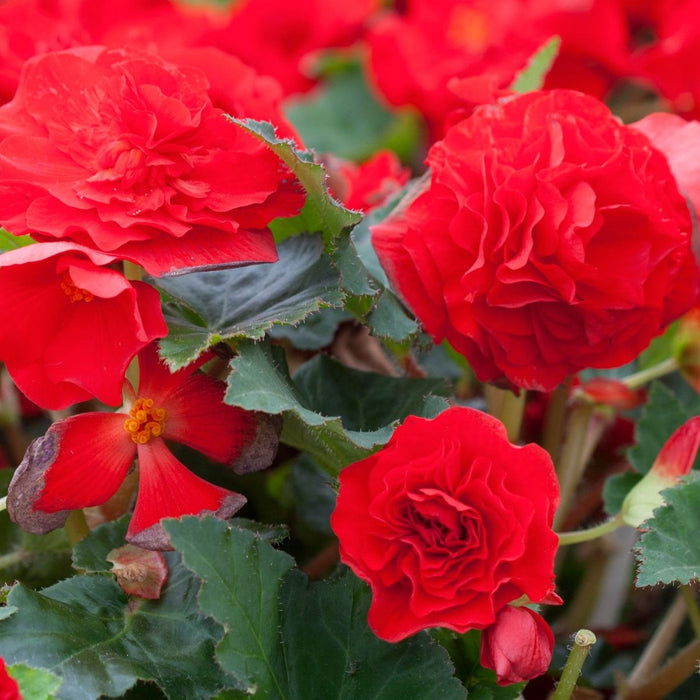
674, 461
518, 646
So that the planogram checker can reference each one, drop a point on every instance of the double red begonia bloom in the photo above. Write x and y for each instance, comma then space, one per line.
70, 324
82, 460
551, 238
127, 153
449, 523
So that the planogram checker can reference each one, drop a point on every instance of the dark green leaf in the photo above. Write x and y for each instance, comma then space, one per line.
344, 118
208, 307
335, 413
314, 332
86, 631
616, 488
662, 414
330, 651
533, 75
91, 553
240, 589
669, 552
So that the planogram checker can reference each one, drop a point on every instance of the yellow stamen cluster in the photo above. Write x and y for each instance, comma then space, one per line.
72, 292
145, 421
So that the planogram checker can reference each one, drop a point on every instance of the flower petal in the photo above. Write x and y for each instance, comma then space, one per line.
56, 475
200, 419
167, 489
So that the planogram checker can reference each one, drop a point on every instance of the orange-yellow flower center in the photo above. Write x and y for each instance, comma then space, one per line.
72, 292
145, 421
469, 29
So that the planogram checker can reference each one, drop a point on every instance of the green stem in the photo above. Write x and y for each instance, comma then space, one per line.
76, 527
554, 420
585, 427
583, 641
638, 379
3, 503
691, 604
512, 412
592, 533
8, 560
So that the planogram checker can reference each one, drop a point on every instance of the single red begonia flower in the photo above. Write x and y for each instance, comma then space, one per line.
518, 646
550, 238
82, 460
449, 523
122, 151
70, 324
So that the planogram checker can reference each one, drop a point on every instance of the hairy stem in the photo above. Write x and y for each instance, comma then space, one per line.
639, 379
583, 641
592, 533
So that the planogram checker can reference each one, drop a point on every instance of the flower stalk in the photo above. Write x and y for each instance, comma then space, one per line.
583, 641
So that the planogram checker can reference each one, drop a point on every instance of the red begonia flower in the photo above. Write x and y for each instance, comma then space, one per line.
448, 523
70, 324
518, 646
417, 56
277, 37
679, 141
550, 238
369, 184
82, 460
125, 152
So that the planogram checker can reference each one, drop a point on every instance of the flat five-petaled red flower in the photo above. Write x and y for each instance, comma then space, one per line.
82, 460
122, 151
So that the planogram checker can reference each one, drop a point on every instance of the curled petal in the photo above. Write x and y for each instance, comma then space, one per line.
167, 489
80, 462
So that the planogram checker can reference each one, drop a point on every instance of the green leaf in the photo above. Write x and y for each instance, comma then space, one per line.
314, 332
91, 553
335, 413
240, 589
35, 683
662, 414
10, 242
669, 552
86, 631
321, 212
330, 651
207, 307
289, 639
533, 75
343, 117
616, 488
